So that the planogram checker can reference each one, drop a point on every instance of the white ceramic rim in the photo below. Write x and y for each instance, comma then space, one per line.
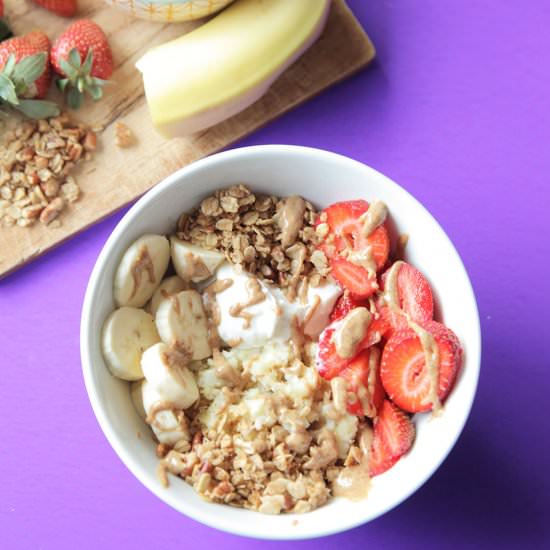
126, 456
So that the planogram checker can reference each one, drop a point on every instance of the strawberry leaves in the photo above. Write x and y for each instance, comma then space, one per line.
17, 82
78, 79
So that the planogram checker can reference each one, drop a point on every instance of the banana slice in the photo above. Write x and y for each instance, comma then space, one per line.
181, 320
137, 398
127, 333
194, 263
167, 422
141, 270
168, 287
166, 371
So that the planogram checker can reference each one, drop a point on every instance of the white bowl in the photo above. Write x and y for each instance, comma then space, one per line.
323, 178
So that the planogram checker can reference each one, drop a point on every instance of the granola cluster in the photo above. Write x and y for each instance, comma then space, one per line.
278, 456
36, 161
248, 229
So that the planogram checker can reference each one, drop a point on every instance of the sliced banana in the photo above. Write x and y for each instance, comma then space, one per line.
194, 263
141, 270
166, 371
181, 320
137, 398
168, 287
167, 422
127, 333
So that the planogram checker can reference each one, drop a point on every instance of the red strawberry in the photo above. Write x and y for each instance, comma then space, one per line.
83, 56
329, 363
357, 374
403, 368
345, 234
25, 46
1, 8
344, 305
415, 294
394, 435
66, 8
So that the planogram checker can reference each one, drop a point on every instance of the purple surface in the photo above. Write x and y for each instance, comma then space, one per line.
457, 110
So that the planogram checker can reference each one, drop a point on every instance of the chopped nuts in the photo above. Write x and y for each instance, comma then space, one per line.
124, 137
36, 158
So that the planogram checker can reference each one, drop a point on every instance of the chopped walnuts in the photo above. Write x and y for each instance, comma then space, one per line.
36, 159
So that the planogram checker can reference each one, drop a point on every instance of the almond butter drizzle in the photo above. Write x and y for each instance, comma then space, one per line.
351, 331
290, 219
375, 215
213, 310
173, 463
427, 341
353, 482
161, 406
313, 308
224, 370
255, 296
194, 267
142, 263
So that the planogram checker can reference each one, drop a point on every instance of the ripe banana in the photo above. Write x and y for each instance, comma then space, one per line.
168, 287
168, 425
127, 333
181, 320
193, 263
137, 399
222, 67
168, 375
141, 270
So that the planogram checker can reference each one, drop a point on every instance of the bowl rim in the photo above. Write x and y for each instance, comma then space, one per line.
124, 454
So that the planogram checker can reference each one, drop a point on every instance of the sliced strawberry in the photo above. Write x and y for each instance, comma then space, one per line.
329, 363
344, 305
414, 292
353, 278
403, 369
357, 375
393, 436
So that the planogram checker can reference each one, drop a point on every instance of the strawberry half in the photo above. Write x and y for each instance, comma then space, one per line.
357, 374
394, 434
403, 368
344, 305
66, 8
414, 292
345, 233
329, 364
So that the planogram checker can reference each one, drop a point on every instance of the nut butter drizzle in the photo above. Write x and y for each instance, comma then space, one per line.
194, 267
255, 296
143, 263
350, 331
353, 482
427, 341
290, 219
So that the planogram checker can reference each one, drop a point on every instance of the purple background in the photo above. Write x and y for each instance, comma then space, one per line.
457, 110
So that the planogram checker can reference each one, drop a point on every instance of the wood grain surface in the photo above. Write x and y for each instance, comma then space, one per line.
116, 176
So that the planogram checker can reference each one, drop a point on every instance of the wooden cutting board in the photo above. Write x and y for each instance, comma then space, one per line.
116, 176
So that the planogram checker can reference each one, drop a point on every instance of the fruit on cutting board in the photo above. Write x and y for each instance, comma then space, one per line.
228, 63
83, 57
66, 8
25, 75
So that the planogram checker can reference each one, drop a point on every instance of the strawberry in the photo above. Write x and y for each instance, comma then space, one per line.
345, 235
344, 305
329, 363
414, 292
394, 434
83, 57
66, 8
25, 74
357, 374
403, 367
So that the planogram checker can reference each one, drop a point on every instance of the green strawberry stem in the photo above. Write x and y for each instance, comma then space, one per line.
17, 81
78, 79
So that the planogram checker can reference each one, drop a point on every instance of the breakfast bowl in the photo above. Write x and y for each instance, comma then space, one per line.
322, 178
